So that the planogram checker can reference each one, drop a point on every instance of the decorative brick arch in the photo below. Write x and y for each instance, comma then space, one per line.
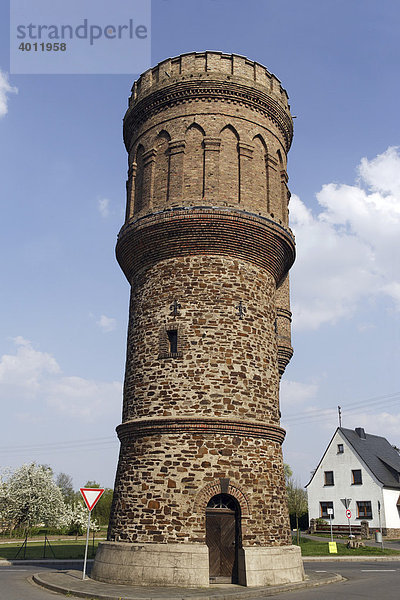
161, 171
221, 486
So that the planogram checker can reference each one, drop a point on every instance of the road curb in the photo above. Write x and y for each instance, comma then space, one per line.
44, 561
76, 561
101, 591
351, 558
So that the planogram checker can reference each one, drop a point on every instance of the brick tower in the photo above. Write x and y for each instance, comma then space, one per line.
199, 491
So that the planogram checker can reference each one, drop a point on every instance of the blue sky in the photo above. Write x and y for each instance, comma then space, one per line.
64, 299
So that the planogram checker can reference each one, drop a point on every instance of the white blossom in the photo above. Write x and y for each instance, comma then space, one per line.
30, 497
75, 518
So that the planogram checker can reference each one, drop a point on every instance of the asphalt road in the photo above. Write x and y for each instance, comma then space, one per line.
14, 584
366, 580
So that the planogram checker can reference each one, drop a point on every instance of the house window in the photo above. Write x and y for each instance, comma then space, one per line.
324, 509
328, 478
356, 477
173, 341
340, 449
364, 510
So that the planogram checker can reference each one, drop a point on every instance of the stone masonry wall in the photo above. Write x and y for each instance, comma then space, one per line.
160, 478
226, 365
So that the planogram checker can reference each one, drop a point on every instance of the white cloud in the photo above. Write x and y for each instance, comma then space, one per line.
80, 397
349, 252
31, 375
5, 88
382, 173
106, 324
296, 392
103, 204
363, 327
26, 370
384, 423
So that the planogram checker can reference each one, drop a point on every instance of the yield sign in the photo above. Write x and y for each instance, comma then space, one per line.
91, 496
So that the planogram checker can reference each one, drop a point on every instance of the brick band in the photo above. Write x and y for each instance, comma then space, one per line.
177, 425
201, 230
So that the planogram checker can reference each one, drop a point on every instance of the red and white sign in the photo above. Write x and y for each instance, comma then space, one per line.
348, 514
91, 496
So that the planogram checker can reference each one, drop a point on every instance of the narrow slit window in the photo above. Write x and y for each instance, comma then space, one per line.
173, 341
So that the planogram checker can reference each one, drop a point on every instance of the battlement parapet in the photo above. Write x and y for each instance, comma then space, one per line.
208, 66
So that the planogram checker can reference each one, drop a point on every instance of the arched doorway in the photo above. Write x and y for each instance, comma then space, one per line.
223, 538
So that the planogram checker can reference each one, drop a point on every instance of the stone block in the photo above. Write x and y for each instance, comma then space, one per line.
261, 566
152, 564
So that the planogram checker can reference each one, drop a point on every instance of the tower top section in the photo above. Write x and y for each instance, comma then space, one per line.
234, 77
211, 65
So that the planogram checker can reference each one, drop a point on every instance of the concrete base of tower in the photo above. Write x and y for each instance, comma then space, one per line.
187, 565
183, 565
262, 566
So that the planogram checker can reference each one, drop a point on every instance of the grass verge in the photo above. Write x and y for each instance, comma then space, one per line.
76, 549
314, 548
35, 550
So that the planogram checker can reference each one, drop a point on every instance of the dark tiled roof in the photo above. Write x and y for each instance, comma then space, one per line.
379, 456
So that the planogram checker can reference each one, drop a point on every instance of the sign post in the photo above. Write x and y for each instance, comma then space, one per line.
380, 524
330, 513
348, 515
331, 545
91, 496
346, 504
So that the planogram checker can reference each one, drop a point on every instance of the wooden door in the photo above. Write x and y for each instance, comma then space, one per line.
221, 539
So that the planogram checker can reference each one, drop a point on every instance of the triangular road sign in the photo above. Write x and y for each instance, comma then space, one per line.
91, 496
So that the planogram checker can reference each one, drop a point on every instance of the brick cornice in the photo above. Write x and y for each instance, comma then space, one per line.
199, 425
285, 353
284, 312
205, 231
197, 89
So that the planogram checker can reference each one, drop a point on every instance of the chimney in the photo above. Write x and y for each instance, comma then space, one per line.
361, 433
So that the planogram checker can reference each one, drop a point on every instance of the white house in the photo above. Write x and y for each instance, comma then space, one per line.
364, 469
